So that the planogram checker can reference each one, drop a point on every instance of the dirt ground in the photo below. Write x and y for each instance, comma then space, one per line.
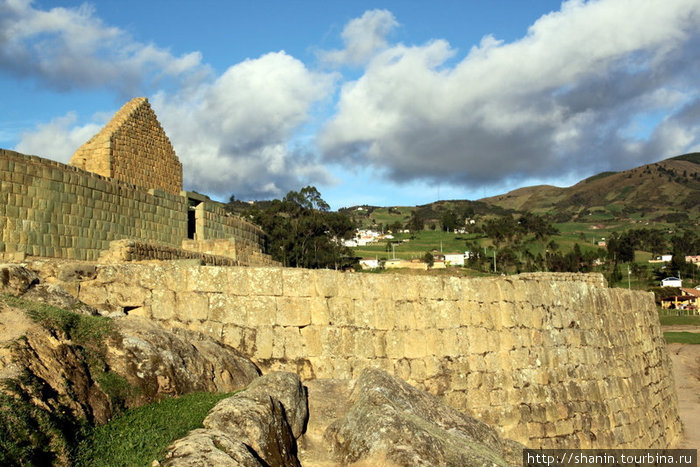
686, 373
13, 323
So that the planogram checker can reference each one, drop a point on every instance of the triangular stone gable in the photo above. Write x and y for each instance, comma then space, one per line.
134, 148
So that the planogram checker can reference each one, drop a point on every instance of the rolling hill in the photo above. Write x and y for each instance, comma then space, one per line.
669, 189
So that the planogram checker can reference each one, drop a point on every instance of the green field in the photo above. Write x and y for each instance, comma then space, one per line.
673, 320
682, 337
426, 240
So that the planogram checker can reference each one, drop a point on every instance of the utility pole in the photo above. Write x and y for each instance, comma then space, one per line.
629, 273
393, 250
494, 261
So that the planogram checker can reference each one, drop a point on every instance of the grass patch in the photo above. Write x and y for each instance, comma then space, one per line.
88, 334
599, 176
682, 337
55, 431
141, 435
670, 320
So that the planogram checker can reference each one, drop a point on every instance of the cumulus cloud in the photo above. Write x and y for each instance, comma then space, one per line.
234, 132
551, 104
69, 48
233, 135
362, 37
59, 138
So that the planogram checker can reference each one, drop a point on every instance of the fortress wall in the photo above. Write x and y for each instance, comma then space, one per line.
553, 360
55, 210
215, 222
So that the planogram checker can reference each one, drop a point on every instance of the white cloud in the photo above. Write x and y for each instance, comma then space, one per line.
363, 37
233, 135
68, 48
59, 138
547, 105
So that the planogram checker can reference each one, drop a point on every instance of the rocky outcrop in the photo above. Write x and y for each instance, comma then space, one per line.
60, 369
381, 421
140, 363
256, 427
393, 423
16, 279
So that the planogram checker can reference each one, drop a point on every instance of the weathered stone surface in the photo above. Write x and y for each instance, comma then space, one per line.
392, 423
258, 417
287, 388
205, 447
54, 295
16, 279
153, 361
174, 362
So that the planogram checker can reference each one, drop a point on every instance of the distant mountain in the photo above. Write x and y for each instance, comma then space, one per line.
666, 190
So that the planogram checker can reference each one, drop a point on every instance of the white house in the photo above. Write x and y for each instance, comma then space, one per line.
454, 259
671, 282
457, 259
369, 263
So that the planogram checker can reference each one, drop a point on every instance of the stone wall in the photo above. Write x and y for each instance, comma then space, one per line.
134, 250
133, 148
552, 360
55, 210
243, 252
50, 209
215, 222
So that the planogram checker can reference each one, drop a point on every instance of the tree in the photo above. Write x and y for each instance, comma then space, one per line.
449, 221
429, 259
303, 233
502, 229
395, 226
415, 223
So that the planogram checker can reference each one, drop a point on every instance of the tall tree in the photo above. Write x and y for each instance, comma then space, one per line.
303, 233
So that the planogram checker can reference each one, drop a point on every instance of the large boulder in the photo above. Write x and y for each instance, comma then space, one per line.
162, 362
256, 427
393, 423
16, 279
125, 363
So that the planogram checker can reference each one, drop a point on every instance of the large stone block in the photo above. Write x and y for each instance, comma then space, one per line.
311, 337
261, 310
191, 306
265, 281
293, 311
298, 282
326, 283
341, 311
228, 309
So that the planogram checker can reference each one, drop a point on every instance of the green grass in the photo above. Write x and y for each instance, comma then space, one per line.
142, 435
671, 320
682, 337
426, 240
88, 333
599, 176
692, 157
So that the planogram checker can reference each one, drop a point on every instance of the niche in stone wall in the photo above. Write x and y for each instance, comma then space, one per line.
192, 205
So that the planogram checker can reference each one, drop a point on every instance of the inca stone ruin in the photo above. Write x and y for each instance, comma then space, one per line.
549, 360
125, 183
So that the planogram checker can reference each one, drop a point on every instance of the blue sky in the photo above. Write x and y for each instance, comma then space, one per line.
385, 103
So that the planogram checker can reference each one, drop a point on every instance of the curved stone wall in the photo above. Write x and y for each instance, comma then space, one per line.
551, 360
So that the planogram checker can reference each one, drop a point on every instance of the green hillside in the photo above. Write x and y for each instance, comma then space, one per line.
664, 191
